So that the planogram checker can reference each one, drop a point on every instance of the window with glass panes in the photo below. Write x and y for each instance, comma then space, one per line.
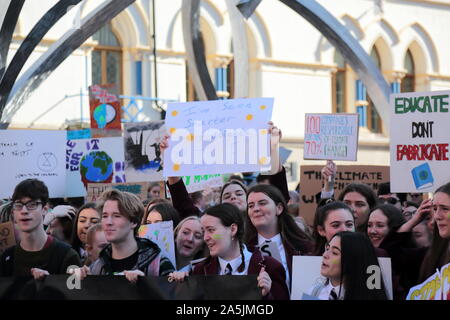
374, 119
407, 84
338, 84
107, 58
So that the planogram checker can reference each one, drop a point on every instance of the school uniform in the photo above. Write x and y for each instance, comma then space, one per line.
306, 248
324, 290
254, 261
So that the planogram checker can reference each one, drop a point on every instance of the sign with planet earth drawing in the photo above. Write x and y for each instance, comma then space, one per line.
104, 109
97, 160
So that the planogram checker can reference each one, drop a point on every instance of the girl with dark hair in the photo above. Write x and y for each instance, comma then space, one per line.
268, 220
346, 260
161, 212
86, 216
439, 251
330, 219
224, 231
234, 192
416, 264
382, 220
359, 197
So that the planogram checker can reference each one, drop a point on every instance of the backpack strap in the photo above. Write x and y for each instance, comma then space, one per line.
153, 267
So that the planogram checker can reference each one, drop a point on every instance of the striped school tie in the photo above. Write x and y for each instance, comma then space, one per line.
333, 295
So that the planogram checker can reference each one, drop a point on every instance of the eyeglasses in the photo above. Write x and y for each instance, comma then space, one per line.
390, 200
30, 205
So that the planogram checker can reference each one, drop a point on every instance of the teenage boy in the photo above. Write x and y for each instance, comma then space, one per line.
37, 253
126, 253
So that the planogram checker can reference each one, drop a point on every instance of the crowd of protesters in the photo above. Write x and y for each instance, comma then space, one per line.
220, 232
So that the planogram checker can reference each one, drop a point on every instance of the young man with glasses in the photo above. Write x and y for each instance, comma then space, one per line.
37, 254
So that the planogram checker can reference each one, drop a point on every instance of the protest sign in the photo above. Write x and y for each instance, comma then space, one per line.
142, 153
331, 136
98, 160
311, 183
105, 109
419, 141
94, 190
32, 154
7, 237
270, 249
306, 275
436, 287
221, 136
160, 233
78, 134
200, 182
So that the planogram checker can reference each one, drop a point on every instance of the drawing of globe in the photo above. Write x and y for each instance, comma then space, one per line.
104, 114
96, 166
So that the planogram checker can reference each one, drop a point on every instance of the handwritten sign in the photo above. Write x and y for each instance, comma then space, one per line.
436, 287
270, 249
104, 109
32, 154
161, 233
311, 183
331, 136
306, 275
143, 160
7, 238
419, 140
94, 190
220, 136
200, 182
97, 160
78, 134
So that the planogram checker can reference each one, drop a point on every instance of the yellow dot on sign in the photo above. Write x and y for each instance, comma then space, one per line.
176, 167
263, 160
249, 117
262, 107
190, 137
264, 131
172, 130
174, 113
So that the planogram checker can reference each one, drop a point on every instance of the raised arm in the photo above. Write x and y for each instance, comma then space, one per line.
180, 197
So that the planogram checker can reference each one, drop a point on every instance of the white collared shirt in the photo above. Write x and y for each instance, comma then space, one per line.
279, 242
235, 263
325, 292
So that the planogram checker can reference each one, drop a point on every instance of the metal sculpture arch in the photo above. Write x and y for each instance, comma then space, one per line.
314, 13
14, 92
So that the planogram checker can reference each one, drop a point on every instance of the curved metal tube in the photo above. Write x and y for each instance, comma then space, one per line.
350, 49
47, 21
61, 49
195, 50
7, 31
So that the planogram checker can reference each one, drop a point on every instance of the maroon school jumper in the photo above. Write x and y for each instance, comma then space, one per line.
278, 290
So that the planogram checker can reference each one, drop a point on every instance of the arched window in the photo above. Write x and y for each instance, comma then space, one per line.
338, 84
107, 58
374, 120
407, 84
